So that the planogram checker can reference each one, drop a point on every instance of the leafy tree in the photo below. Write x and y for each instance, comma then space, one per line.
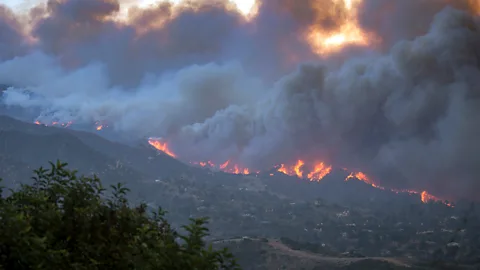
63, 221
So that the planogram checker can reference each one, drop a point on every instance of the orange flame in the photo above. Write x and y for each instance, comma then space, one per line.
162, 146
100, 126
225, 167
424, 195
363, 177
319, 171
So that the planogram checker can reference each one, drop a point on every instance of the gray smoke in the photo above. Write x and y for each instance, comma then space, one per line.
407, 115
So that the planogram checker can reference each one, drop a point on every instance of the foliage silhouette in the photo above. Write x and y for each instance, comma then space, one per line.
63, 221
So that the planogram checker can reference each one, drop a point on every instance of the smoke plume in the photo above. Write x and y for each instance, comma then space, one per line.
221, 86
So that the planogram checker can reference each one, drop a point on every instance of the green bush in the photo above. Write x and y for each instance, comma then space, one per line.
62, 221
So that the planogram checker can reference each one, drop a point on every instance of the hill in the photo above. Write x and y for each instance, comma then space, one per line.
329, 219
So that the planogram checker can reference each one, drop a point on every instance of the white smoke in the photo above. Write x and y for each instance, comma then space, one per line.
158, 106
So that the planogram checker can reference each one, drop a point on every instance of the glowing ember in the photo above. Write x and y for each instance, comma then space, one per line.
100, 126
227, 166
54, 123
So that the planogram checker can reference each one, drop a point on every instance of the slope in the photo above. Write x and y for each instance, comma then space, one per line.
24, 147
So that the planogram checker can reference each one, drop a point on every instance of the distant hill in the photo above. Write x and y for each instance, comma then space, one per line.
25, 146
330, 217
34, 145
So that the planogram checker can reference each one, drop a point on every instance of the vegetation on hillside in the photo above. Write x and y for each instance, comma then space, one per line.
65, 221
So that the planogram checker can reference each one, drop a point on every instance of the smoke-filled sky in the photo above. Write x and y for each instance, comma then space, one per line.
400, 102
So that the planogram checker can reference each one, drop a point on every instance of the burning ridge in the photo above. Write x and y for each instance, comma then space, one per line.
372, 86
318, 171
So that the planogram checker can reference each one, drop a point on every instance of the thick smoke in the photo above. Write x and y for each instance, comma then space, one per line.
217, 87
395, 20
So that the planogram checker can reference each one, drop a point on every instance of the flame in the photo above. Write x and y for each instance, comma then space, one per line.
99, 126
424, 195
54, 123
294, 170
227, 166
161, 146
363, 177
349, 33
318, 172
299, 169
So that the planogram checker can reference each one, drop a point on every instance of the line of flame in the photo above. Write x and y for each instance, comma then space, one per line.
319, 171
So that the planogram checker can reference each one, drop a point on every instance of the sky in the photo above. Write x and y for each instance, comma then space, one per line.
18, 5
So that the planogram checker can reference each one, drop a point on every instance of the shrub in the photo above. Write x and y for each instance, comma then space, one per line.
63, 221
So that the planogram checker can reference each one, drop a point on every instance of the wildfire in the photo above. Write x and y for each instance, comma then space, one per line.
299, 169
54, 123
362, 177
227, 166
427, 197
424, 195
313, 171
161, 146
349, 33
99, 126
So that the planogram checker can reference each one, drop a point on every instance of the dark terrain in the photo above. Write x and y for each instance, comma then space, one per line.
269, 222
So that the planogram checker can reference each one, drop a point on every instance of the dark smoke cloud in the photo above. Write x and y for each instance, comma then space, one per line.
216, 85
12, 40
396, 20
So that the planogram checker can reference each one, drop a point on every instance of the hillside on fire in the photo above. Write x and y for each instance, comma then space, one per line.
314, 134
269, 219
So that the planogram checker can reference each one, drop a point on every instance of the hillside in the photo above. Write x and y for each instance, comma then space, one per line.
332, 218
277, 255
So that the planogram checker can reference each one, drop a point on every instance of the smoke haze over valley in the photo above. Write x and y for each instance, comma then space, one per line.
387, 88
